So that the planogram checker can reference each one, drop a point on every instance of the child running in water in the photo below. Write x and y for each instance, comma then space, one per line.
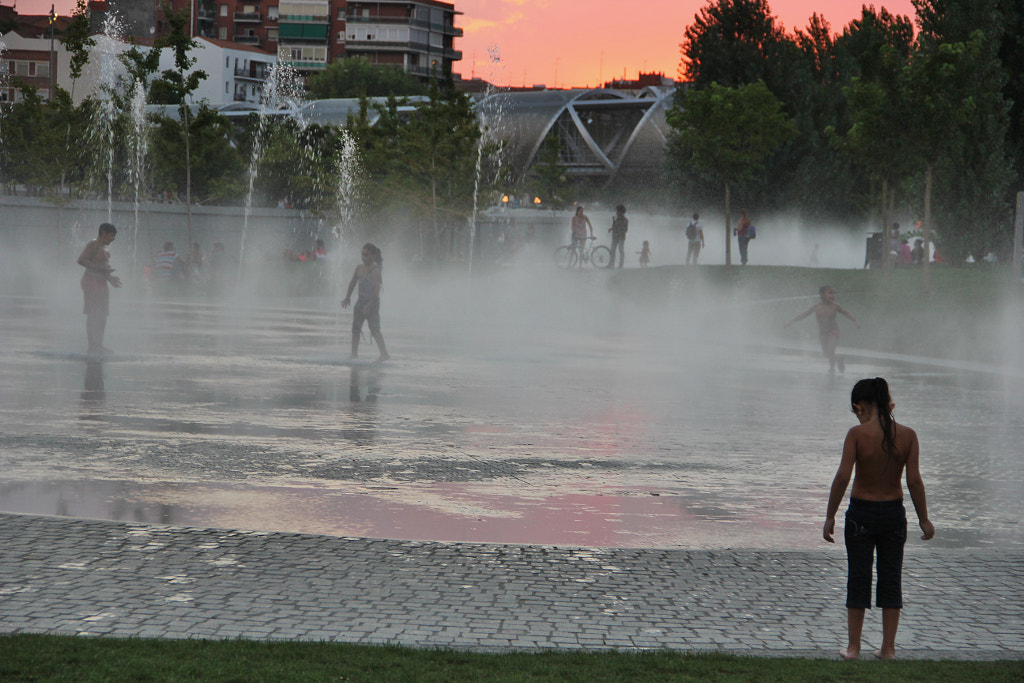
876, 453
645, 254
828, 330
368, 277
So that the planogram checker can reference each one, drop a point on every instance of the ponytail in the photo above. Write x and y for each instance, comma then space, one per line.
876, 391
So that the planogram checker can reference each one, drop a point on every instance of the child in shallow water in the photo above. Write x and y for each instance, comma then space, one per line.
876, 453
828, 330
367, 307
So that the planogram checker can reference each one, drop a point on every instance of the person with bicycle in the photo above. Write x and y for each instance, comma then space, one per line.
580, 224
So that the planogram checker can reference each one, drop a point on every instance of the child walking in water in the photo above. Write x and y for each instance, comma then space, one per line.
828, 330
95, 258
368, 277
645, 254
876, 453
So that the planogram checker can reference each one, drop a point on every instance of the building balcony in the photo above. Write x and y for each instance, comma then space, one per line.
385, 46
304, 19
248, 17
259, 74
248, 40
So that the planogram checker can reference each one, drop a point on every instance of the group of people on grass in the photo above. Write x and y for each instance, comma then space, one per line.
877, 453
694, 233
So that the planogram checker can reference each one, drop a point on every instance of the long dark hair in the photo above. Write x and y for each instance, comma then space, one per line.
876, 391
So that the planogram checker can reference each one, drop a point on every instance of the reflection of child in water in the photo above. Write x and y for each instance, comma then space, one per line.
645, 254
875, 453
828, 330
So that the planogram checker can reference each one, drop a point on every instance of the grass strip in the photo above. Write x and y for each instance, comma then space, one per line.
91, 659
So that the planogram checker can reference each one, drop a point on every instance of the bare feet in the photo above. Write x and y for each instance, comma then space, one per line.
383, 357
849, 654
885, 654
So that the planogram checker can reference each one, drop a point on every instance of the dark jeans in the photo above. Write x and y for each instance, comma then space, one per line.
743, 249
875, 526
618, 242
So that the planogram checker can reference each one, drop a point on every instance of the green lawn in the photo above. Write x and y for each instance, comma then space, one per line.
82, 660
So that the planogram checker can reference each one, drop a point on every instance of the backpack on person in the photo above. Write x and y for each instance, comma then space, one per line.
751, 232
691, 232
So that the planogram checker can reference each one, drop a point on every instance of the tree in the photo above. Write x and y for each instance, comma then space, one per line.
730, 42
181, 82
78, 42
727, 133
355, 77
957, 126
422, 164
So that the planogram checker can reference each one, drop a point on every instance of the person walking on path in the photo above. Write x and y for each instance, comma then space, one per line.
744, 232
620, 225
876, 452
95, 258
828, 329
694, 239
368, 276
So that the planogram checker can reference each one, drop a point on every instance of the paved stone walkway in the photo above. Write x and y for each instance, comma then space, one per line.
70, 576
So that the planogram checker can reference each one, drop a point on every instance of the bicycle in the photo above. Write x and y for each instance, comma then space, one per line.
571, 256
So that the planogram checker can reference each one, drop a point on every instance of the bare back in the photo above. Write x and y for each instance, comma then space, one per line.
877, 474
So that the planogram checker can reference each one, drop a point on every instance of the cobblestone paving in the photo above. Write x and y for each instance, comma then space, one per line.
83, 577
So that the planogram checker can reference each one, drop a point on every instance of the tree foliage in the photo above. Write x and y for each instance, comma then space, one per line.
355, 77
728, 133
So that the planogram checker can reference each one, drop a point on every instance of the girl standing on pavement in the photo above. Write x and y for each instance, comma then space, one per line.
876, 453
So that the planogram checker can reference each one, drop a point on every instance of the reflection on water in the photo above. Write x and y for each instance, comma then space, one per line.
497, 433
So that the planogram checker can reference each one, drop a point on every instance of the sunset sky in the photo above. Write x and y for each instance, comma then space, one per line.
567, 43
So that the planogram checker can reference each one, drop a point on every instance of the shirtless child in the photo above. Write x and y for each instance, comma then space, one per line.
876, 453
828, 330
367, 307
95, 258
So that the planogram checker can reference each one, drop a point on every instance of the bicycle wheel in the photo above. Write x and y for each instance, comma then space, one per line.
565, 257
601, 257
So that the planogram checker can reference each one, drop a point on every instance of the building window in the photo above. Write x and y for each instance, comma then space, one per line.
272, 34
227, 87
223, 33
341, 37
21, 68
341, 14
43, 69
223, 10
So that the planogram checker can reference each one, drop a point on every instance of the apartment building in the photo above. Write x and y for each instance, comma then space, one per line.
416, 36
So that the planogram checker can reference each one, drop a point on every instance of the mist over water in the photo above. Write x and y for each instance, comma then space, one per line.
525, 404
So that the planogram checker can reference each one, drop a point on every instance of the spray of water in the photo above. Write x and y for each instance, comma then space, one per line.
139, 142
490, 119
110, 73
282, 93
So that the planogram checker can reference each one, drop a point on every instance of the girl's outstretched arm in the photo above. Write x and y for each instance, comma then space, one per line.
844, 312
801, 316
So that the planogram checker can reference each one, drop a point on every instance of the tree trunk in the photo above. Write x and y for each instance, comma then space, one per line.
728, 229
885, 246
925, 273
188, 180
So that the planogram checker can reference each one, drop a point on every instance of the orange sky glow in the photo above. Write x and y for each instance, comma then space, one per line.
567, 43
